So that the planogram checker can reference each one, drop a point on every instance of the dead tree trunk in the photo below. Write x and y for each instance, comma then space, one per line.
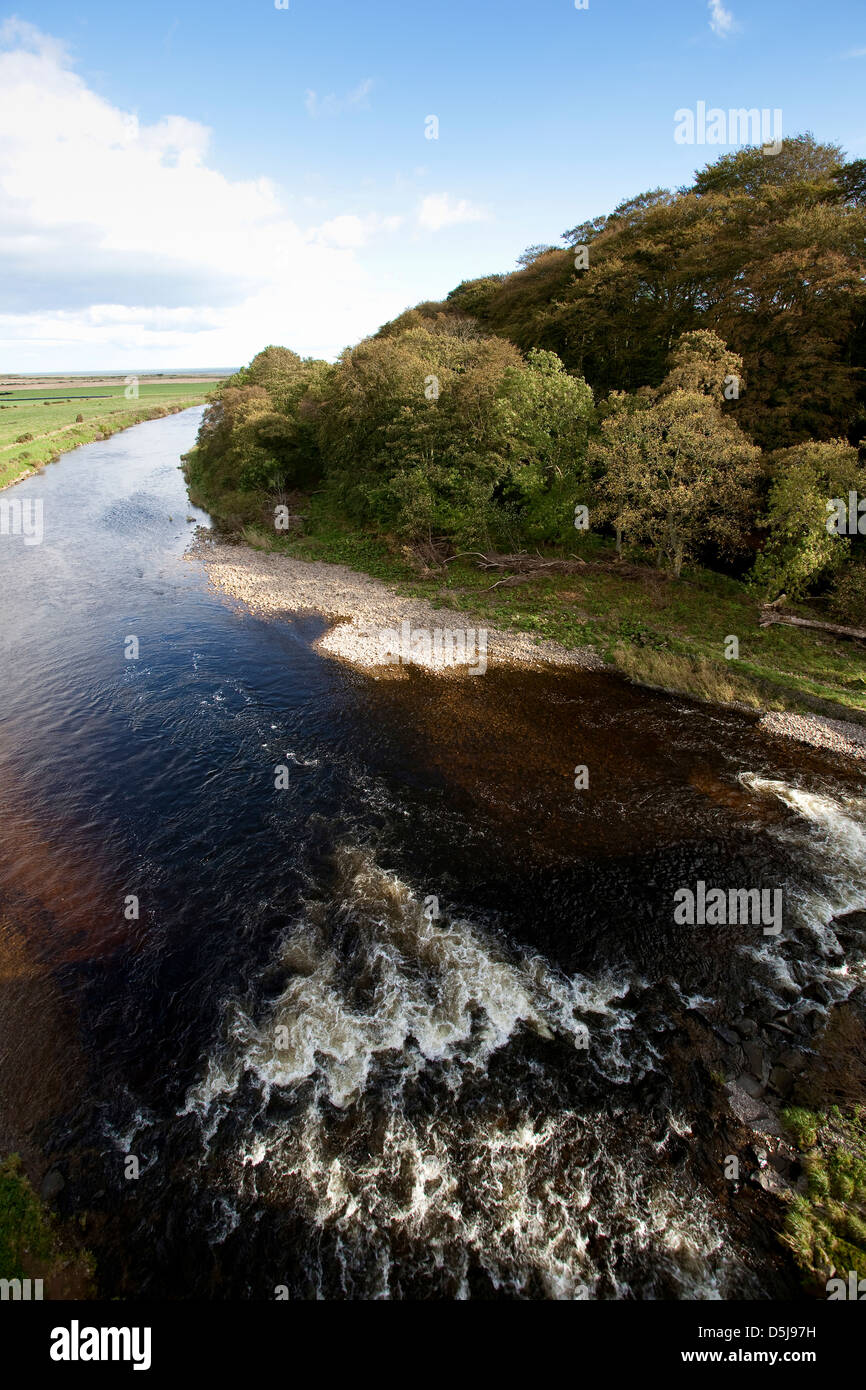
768, 618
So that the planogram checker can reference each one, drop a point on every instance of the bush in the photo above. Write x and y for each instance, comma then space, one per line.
800, 553
24, 1227
848, 596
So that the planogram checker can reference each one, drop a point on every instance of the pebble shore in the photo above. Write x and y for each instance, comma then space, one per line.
364, 610
839, 735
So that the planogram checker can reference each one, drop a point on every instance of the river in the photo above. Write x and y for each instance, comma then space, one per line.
420, 1023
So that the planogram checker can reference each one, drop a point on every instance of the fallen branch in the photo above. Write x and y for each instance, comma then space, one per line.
462, 556
768, 618
509, 581
537, 565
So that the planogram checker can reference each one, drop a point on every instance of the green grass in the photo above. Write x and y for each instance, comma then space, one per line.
665, 633
52, 423
35, 1245
826, 1227
25, 1229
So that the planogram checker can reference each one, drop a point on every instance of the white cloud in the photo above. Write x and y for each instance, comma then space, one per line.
856, 53
14, 30
351, 230
722, 22
439, 210
332, 105
119, 240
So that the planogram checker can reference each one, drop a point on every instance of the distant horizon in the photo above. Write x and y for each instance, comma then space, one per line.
125, 371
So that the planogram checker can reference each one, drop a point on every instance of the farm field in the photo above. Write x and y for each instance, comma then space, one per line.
43, 417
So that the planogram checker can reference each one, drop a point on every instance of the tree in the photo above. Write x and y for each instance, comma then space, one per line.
532, 253
414, 430
676, 473
277, 370
472, 296
548, 414
800, 552
801, 160
702, 362
850, 179
258, 434
765, 251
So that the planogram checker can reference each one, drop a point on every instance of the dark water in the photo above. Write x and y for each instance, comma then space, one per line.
330, 1083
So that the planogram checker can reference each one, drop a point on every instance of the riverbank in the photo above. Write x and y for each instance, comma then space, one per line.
368, 613
34, 433
365, 611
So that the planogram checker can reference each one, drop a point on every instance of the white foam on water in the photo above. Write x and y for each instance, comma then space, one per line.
831, 838
438, 990
507, 1178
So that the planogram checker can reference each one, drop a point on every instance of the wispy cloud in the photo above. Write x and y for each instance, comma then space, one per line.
722, 22
332, 105
856, 53
350, 231
439, 210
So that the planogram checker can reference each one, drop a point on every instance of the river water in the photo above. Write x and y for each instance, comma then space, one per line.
418, 1023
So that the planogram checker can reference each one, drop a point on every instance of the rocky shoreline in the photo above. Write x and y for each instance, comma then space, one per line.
838, 735
368, 613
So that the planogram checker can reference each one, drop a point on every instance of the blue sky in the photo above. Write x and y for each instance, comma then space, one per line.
297, 199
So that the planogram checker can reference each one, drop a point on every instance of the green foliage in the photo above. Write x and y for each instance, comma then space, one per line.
425, 431
700, 361
259, 433
429, 430
768, 253
803, 1125
472, 296
676, 474
800, 551
801, 160
24, 1227
434, 316
848, 596
711, 322
826, 1227
850, 180
532, 253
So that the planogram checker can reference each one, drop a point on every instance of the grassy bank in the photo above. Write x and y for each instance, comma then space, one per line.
669, 633
34, 432
33, 1245
826, 1226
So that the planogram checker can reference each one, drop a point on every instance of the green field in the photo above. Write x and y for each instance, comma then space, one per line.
50, 420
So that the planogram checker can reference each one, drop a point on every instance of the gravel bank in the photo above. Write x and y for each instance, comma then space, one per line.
838, 735
381, 631
374, 629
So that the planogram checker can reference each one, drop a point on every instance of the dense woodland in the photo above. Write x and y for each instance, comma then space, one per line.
685, 378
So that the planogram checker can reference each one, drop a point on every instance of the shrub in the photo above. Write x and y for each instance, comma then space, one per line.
848, 596
799, 552
24, 1228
